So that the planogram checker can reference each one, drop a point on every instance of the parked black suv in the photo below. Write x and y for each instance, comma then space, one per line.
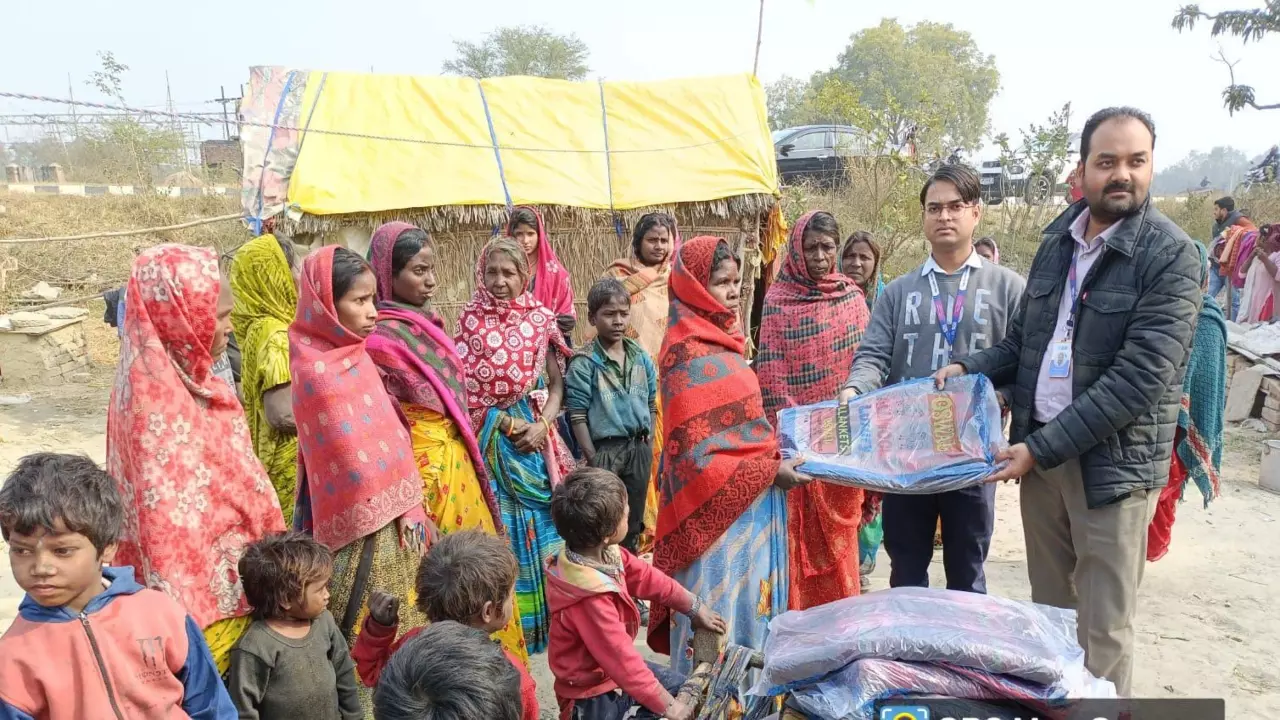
816, 153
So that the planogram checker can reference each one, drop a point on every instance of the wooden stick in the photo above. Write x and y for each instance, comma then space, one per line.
123, 233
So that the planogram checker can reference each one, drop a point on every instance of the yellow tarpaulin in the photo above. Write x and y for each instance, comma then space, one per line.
385, 142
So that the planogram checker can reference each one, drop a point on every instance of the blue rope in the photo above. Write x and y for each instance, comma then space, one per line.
256, 221
608, 164
314, 105
493, 135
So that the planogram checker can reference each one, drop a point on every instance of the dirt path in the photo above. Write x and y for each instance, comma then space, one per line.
1210, 611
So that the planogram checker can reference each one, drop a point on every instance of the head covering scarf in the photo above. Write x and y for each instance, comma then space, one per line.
720, 452
995, 249
551, 285
417, 358
1198, 446
352, 448
648, 288
194, 493
809, 331
266, 299
503, 344
874, 285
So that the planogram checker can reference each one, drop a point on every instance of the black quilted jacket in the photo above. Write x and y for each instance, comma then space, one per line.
1137, 314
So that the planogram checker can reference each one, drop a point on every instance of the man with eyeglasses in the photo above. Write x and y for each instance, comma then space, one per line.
954, 304
1097, 356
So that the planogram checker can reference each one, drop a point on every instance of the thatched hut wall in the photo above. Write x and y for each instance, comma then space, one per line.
586, 241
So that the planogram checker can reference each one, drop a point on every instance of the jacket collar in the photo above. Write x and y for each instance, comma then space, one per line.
1125, 238
121, 583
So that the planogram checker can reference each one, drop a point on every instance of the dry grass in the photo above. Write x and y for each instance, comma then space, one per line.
84, 267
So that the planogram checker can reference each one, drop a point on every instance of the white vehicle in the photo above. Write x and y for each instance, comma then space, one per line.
1018, 181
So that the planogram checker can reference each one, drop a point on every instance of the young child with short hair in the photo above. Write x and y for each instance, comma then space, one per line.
611, 394
592, 587
468, 577
89, 641
448, 671
293, 658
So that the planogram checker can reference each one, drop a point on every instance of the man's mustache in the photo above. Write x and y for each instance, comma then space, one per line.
1118, 187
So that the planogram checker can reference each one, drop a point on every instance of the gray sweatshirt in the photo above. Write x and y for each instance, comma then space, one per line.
904, 340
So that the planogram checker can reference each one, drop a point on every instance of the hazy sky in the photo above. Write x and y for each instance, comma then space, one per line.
1093, 53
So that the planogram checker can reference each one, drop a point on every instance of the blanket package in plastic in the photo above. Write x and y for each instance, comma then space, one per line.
852, 693
998, 636
909, 438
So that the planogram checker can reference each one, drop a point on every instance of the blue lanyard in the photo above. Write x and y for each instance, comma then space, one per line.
949, 327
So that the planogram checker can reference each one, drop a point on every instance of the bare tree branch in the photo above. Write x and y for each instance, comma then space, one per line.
1237, 97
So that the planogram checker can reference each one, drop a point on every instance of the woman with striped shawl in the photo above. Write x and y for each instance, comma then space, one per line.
722, 513
1197, 442
423, 374
812, 323
514, 357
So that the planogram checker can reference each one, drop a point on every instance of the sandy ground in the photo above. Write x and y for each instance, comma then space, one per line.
1210, 609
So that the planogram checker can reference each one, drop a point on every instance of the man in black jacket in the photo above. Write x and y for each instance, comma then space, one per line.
1097, 358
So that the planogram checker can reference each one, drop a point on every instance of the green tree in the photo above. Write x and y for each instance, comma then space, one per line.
521, 50
1248, 25
928, 82
787, 100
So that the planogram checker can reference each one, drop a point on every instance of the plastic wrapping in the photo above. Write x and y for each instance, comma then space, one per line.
997, 635
909, 438
852, 693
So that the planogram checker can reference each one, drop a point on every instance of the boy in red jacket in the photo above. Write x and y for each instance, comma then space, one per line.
592, 587
468, 577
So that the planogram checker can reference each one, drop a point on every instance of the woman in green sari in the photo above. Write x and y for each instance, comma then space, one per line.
266, 299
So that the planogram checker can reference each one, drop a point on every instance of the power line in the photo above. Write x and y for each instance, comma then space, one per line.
204, 120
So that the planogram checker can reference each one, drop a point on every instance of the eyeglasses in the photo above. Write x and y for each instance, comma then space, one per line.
955, 208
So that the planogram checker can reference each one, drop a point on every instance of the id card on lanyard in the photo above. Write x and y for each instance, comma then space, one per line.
951, 323
1060, 350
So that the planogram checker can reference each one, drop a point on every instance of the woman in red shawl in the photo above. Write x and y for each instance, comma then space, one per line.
722, 514
195, 494
514, 355
550, 281
359, 490
812, 323
424, 376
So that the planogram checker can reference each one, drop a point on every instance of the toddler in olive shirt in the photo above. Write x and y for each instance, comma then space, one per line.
293, 660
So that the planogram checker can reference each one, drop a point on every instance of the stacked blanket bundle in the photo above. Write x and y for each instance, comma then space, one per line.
839, 660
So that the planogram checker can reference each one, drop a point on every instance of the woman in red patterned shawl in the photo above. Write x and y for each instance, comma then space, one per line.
722, 513
812, 323
514, 355
359, 490
178, 443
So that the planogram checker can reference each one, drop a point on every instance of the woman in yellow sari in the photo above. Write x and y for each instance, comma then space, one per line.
266, 299
645, 275
421, 371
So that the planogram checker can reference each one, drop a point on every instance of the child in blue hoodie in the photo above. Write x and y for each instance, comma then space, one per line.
611, 395
90, 641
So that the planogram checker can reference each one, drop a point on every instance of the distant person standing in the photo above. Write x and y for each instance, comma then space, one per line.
1224, 216
954, 304
1098, 351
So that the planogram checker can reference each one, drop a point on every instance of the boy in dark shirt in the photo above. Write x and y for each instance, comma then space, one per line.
294, 655
611, 394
